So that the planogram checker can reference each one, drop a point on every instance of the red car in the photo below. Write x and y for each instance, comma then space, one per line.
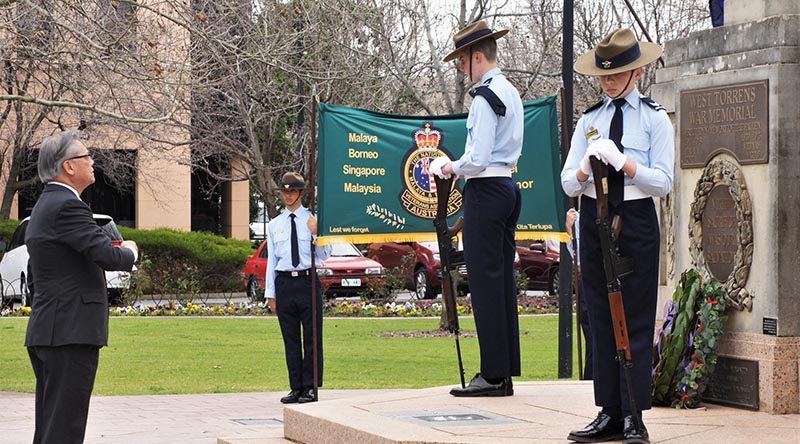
422, 270
539, 261
346, 272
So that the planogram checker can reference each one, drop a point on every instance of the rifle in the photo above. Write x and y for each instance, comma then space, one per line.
615, 267
450, 259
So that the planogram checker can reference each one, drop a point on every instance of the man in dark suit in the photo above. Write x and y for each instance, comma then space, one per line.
69, 314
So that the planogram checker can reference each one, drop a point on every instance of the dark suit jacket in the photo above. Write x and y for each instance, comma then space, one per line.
68, 253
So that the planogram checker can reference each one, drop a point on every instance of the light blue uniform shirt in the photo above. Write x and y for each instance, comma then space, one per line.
279, 245
648, 139
492, 140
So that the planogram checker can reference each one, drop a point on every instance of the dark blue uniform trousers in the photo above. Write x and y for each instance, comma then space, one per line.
639, 241
491, 210
586, 327
293, 301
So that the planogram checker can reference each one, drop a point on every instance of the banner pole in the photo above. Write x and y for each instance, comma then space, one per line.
565, 270
312, 205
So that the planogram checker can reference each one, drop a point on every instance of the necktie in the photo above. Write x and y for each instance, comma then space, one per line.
616, 179
295, 248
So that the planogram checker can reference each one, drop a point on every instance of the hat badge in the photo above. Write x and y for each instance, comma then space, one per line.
606, 64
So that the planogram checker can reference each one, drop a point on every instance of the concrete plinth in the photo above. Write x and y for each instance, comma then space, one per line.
539, 412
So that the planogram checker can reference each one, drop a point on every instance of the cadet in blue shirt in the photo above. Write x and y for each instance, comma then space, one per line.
638, 145
289, 238
491, 207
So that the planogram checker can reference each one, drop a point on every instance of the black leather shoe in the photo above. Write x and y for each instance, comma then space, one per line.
481, 387
603, 428
308, 395
291, 398
509, 386
633, 434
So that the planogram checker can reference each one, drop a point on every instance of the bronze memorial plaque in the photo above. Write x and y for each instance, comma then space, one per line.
720, 232
731, 119
734, 382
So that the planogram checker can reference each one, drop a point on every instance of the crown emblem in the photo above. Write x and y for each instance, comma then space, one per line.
427, 139
606, 64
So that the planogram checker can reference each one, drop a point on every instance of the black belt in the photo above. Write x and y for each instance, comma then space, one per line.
294, 274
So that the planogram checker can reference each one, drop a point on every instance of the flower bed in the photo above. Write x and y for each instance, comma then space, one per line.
333, 307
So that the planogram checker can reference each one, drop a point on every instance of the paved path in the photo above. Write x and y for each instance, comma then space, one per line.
543, 412
164, 419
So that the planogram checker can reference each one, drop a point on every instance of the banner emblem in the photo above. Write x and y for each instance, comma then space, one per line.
418, 194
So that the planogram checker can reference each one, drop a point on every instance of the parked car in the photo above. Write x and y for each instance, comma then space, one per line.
14, 265
539, 261
255, 272
346, 272
422, 269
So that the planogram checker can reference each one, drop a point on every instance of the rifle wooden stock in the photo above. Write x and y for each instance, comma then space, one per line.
444, 237
620, 326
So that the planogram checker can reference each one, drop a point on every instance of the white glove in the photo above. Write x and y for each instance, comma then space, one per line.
436, 166
607, 151
585, 164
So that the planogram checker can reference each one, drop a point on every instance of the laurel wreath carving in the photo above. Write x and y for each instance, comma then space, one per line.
667, 234
723, 172
386, 216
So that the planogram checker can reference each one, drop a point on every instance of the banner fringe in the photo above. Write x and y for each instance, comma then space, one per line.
429, 237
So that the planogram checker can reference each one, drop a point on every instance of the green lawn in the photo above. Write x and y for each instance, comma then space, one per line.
215, 355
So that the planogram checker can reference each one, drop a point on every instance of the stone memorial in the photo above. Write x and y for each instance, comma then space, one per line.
734, 213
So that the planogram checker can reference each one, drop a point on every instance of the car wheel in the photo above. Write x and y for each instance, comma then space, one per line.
4, 302
254, 291
553, 288
422, 285
24, 296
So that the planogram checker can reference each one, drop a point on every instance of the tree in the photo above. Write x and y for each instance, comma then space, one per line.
225, 86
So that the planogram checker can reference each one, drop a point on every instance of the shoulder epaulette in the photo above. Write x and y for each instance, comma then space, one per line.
652, 104
593, 107
497, 105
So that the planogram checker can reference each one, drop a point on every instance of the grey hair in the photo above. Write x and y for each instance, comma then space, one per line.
54, 151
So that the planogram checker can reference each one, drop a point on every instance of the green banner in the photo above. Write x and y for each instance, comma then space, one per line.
374, 183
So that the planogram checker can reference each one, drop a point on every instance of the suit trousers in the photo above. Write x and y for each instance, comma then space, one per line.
639, 241
64, 382
293, 301
491, 209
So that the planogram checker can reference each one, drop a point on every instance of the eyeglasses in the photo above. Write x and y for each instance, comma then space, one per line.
79, 157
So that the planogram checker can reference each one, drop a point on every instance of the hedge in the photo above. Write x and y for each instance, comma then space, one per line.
175, 260
7, 228
180, 261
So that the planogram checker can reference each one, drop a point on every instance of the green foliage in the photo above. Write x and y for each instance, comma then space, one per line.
684, 357
703, 359
522, 284
190, 262
672, 338
395, 281
7, 228
138, 283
